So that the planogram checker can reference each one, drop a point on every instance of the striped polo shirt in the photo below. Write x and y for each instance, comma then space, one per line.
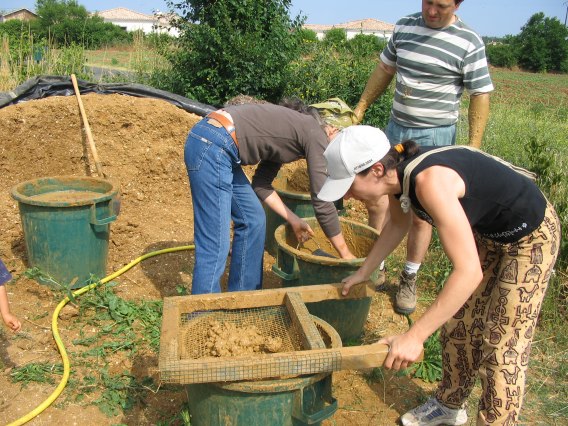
433, 66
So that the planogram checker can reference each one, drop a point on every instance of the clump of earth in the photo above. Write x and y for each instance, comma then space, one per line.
226, 339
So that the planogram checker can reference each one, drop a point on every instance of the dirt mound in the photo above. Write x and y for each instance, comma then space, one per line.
140, 144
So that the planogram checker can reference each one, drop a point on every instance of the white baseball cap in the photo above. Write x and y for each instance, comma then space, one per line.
353, 150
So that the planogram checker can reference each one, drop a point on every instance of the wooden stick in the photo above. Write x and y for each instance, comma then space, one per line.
269, 297
87, 128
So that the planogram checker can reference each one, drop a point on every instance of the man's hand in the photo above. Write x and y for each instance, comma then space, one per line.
359, 112
351, 280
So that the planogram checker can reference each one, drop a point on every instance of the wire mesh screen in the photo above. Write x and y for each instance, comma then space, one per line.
223, 333
192, 357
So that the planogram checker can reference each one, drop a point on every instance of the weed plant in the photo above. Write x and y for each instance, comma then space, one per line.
36, 372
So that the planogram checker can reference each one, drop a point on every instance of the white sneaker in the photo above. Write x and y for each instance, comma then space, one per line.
433, 413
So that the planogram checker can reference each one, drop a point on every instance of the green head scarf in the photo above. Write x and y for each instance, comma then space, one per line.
336, 112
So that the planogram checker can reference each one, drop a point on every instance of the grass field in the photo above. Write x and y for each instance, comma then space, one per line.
123, 59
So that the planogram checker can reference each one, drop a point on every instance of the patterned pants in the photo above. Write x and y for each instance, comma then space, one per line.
491, 334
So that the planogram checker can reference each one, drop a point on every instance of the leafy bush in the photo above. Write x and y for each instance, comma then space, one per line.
501, 55
308, 40
336, 37
366, 45
237, 47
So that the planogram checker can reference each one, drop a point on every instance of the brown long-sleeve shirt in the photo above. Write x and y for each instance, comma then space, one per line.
271, 135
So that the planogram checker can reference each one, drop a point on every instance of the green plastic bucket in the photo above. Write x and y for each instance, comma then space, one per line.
297, 267
298, 202
297, 401
66, 223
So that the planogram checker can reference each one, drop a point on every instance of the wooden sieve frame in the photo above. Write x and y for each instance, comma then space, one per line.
316, 359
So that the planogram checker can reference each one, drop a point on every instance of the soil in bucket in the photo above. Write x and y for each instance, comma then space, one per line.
292, 184
66, 225
297, 265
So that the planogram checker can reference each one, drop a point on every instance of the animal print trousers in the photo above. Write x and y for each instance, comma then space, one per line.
490, 336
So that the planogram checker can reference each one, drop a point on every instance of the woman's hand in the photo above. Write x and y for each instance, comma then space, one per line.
301, 229
404, 349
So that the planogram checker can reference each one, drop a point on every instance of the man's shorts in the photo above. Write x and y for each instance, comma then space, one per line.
430, 136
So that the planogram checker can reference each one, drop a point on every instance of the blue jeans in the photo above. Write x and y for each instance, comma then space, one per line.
221, 192
431, 136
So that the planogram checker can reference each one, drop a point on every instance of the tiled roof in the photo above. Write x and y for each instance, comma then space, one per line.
123, 14
368, 24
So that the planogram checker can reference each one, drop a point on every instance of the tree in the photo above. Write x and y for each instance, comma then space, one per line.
542, 44
231, 47
501, 55
66, 23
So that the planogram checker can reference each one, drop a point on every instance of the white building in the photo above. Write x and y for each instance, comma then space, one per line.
363, 26
134, 21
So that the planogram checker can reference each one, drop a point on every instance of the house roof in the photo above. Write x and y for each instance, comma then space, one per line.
14, 11
123, 14
368, 24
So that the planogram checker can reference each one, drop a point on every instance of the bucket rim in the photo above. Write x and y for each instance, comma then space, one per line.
103, 196
282, 245
293, 194
292, 383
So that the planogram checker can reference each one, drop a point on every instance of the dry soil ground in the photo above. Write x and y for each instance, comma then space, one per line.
140, 143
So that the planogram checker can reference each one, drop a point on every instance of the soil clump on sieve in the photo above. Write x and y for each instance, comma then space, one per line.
225, 339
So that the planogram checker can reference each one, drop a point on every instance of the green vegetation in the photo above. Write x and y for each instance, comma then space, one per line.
109, 327
66, 23
236, 47
541, 46
36, 372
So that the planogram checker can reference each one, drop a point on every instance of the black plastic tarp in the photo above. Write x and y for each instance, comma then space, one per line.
48, 85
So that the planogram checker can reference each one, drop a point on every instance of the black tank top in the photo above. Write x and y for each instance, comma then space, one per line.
500, 203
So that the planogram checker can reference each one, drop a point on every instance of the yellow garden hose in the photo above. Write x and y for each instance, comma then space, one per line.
54, 328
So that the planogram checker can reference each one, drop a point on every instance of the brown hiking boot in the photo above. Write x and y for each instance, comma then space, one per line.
405, 301
380, 279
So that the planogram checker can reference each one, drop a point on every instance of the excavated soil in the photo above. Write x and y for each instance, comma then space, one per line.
140, 144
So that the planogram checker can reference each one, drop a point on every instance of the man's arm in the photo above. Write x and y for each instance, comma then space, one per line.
375, 87
478, 115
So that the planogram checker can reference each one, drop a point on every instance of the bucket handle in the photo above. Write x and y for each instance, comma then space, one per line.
285, 276
106, 220
325, 413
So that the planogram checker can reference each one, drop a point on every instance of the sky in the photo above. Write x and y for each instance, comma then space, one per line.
486, 17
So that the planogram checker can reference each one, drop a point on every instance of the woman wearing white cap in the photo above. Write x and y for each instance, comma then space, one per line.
502, 237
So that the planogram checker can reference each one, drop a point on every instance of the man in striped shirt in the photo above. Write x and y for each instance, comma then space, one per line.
435, 56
